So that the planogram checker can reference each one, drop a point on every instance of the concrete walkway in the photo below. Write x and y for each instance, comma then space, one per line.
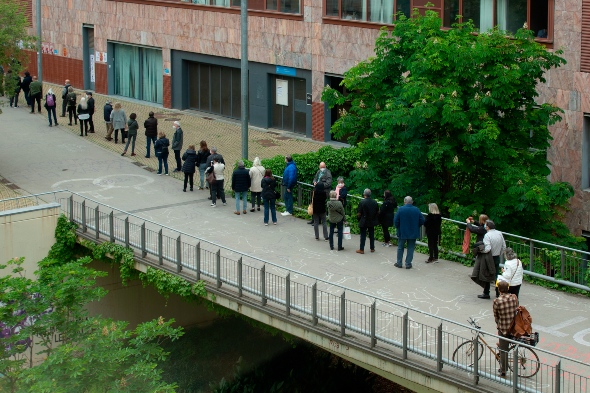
39, 159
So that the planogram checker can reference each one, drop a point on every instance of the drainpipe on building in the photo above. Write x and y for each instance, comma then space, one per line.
244, 75
39, 60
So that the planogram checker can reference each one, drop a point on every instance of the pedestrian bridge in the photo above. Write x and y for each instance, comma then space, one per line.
406, 345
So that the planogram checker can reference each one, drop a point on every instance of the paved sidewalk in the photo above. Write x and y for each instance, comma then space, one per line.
39, 159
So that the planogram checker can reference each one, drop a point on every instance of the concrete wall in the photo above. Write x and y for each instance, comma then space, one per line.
28, 232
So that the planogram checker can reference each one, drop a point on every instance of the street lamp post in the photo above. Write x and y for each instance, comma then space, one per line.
244, 75
39, 60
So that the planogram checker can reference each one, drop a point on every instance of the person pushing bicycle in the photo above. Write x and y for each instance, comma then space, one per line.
504, 308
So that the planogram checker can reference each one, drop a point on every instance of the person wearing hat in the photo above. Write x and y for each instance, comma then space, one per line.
108, 108
90, 103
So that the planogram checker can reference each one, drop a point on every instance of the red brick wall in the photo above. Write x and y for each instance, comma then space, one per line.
56, 69
101, 82
167, 93
317, 121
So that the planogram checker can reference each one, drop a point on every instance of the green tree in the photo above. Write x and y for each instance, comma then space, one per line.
450, 116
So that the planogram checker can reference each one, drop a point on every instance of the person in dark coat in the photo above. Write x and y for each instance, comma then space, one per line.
336, 218
151, 132
132, 128
478, 228
432, 224
25, 85
177, 140
240, 184
484, 271
35, 93
71, 97
407, 221
319, 210
90, 102
368, 216
83, 116
64, 97
50, 105
108, 109
188, 167
269, 185
161, 151
15, 86
386, 216
202, 156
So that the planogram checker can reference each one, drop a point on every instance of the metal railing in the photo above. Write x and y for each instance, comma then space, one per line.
378, 324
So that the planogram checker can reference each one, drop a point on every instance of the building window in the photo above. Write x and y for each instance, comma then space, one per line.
138, 72
286, 6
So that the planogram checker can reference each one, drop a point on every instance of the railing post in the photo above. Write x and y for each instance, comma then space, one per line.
373, 311
160, 248
240, 277
299, 195
562, 264
97, 222
178, 255
218, 267
405, 335
475, 360
531, 254
263, 285
142, 241
515, 369
126, 231
343, 314
84, 226
439, 344
288, 294
112, 227
71, 208
198, 259
558, 377
314, 303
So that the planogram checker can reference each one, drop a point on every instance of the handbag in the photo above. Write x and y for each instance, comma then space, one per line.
346, 233
503, 279
277, 195
211, 177
310, 207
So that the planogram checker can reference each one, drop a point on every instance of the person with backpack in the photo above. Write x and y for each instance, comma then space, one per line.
50, 105
71, 98
64, 97
504, 309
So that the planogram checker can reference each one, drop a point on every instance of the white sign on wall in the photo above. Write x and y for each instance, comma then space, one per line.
92, 69
282, 92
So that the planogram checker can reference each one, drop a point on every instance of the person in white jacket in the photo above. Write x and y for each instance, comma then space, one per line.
512, 272
256, 176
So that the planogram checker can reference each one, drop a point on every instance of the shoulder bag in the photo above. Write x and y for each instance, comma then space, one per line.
502, 277
310, 207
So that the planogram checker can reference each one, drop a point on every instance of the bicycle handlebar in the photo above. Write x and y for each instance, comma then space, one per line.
473, 323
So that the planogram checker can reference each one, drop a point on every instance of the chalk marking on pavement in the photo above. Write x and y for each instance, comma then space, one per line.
579, 337
554, 330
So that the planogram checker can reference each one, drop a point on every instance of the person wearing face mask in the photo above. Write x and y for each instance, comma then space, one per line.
177, 145
323, 175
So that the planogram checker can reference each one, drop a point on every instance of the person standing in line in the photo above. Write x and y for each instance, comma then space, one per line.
83, 116
64, 98
132, 126
269, 184
90, 102
15, 86
107, 110
407, 220
177, 140
336, 218
368, 216
256, 176
188, 167
119, 119
72, 105
50, 105
25, 85
240, 183
35, 92
161, 151
323, 175
341, 192
512, 272
214, 155
217, 190
432, 224
289, 182
386, 216
504, 309
478, 228
495, 244
151, 132
319, 210
202, 156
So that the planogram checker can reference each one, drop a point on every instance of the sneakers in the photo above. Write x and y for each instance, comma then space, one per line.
266, 224
213, 204
159, 174
167, 174
252, 210
274, 223
286, 214
386, 244
224, 204
398, 265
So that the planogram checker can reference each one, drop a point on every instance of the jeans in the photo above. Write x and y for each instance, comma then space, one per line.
433, 246
132, 140
317, 220
27, 97
35, 98
91, 124
401, 244
177, 158
217, 190
255, 196
288, 197
189, 177
338, 225
72, 114
84, 123
123, 136
269, 204
486, 288
386, 234
14, 99
244, 196
51, 110
147, 147
371, 231
162, 158
202, 175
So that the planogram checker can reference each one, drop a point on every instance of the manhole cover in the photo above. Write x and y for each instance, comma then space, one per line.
266, 142
207, 118
172, 119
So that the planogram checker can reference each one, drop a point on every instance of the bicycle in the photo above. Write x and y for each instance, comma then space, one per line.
528, 361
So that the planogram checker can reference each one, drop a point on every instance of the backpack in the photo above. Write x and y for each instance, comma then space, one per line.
49, 100
72, 100
521, 324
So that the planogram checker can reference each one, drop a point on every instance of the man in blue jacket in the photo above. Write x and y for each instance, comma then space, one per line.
289, 181
408, 220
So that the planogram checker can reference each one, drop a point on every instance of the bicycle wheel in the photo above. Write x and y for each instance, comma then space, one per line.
528, 361
465, 353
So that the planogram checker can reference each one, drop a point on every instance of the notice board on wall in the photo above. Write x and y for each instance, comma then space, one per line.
282, 92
